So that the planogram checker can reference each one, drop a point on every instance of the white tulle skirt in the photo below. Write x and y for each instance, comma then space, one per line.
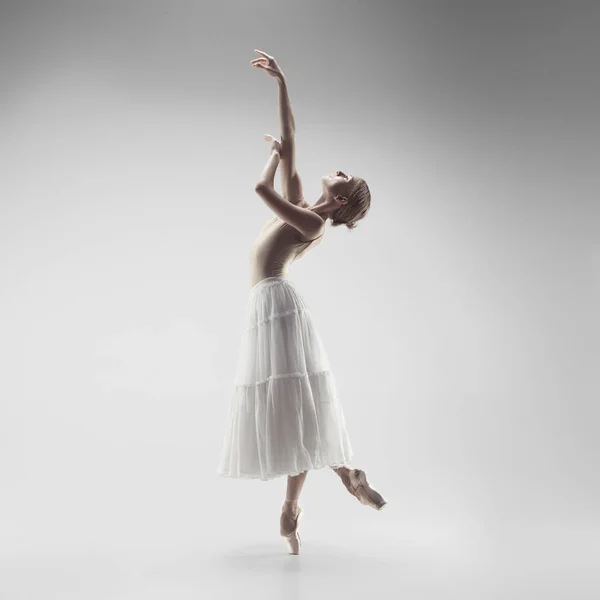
285, 416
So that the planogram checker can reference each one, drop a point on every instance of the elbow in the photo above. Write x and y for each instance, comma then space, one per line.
260, 187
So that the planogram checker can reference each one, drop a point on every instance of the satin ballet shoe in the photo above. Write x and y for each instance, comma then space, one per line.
363, 491
292, 539
343, 475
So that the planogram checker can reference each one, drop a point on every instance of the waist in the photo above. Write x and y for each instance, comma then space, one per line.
266, 280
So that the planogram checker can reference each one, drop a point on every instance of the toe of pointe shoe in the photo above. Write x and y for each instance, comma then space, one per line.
293, 542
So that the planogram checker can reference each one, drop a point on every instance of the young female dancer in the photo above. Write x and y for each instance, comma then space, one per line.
285, 416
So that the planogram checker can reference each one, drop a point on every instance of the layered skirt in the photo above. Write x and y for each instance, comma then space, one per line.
285, 416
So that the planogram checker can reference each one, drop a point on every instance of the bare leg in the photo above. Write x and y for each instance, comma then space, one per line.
295, 484
290, 510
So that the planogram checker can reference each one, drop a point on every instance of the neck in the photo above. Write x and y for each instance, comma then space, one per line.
321, 207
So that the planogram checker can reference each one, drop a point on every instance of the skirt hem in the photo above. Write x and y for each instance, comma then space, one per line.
293, 473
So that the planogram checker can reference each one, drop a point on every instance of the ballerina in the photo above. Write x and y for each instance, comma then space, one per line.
285, 416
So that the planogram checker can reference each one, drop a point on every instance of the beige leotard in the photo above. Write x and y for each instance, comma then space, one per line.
276, 247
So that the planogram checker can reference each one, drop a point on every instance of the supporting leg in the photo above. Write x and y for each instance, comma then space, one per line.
295, 484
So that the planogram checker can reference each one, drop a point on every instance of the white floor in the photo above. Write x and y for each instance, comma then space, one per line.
356, 554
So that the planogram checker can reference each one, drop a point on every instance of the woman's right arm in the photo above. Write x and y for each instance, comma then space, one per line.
291, 184
290, 181
288, 125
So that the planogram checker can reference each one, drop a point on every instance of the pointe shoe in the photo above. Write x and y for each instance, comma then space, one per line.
346, 481
363, 491
292, 539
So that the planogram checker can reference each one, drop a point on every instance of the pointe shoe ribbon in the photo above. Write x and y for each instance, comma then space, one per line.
292, 538
363, 491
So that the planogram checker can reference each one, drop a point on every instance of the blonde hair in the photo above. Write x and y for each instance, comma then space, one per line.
359, 202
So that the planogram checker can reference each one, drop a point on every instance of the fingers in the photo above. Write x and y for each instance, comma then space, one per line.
263, 53
264, 62
265, 58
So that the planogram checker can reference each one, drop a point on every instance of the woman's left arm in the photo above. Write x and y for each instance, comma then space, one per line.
268, 175
309, 223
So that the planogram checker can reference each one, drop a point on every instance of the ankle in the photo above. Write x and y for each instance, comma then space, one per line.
290, 505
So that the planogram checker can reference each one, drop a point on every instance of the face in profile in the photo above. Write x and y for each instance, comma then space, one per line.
337, 184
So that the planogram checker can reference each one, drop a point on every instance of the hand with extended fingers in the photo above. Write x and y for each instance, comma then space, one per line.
269, 64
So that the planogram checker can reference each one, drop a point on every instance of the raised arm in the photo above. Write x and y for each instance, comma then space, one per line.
286, 116
291, 184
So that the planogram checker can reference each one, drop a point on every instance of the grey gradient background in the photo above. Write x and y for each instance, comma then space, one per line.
460, 316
